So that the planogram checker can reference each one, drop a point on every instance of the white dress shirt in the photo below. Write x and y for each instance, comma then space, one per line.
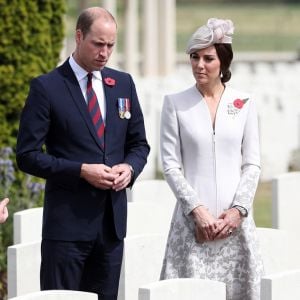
81, 75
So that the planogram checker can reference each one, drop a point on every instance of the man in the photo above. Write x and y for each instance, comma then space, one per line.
3, 210
89, 118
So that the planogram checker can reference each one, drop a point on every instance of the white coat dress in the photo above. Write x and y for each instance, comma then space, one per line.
216, 167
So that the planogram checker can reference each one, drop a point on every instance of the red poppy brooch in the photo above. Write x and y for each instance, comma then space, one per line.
109, 81
235, 107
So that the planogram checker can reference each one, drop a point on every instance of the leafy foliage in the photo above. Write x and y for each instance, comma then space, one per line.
31, 38
31, 33
24, 192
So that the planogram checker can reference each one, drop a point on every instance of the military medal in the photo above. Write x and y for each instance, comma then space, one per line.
121, 107
127, 113
124, 108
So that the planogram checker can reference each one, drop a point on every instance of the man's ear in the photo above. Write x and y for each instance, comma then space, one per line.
78, 36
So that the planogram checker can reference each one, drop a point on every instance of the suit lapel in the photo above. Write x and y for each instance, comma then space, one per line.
111, 104
75, 91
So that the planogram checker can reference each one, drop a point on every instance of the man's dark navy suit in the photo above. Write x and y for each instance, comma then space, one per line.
55, 114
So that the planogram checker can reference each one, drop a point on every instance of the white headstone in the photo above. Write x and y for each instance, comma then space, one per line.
280, 250
184, 288
279, 286
153, 191
285, 201
58, 295
28, 225
148, 218
142, 263
23, 268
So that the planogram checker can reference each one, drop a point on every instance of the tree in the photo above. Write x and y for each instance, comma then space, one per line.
31, 39
31, 33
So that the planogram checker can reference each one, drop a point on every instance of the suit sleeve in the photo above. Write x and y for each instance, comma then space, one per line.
171, 158
34, 126
136, 147
250, 161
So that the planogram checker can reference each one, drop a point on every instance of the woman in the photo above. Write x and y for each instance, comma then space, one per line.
210, 156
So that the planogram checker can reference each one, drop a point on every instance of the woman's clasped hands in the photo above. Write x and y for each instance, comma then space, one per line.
209, 228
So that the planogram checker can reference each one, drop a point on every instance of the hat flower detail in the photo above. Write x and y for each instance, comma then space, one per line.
109, 81
236, 106
222, 30
216, 31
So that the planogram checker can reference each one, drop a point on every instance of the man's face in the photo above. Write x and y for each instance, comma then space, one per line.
94, 50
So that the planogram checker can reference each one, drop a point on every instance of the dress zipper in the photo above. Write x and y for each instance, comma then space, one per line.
215, 169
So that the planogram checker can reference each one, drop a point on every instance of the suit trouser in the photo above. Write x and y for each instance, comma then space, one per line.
92, 266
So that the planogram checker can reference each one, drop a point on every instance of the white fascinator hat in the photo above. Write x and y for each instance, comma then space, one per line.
216, 31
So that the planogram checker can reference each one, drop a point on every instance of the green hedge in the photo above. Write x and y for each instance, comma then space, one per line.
31, 39
31, 34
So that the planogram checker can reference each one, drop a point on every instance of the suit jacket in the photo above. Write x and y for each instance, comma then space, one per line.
55, 115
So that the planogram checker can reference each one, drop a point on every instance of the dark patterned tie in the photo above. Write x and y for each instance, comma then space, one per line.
94, 109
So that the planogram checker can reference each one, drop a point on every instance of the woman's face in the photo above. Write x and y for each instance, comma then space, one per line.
206, 66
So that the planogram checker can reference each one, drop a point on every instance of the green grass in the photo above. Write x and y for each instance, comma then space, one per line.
263, 205
258, 27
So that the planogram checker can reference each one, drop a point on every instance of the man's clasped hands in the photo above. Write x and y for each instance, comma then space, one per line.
209, 228
104, 177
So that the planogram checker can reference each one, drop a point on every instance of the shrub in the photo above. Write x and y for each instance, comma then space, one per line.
24, 192
31, 33
31, 38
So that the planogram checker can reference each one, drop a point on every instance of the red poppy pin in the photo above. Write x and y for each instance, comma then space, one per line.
238, 103
235, 107
109, 81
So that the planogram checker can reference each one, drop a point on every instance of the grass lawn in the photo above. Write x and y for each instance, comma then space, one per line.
263, 205
258, 27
